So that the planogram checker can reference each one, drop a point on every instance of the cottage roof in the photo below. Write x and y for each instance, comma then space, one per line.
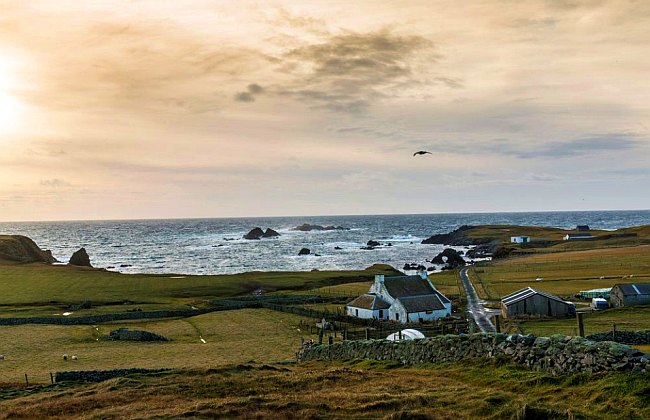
525, 294
400, 286
369, 301
634, 289
432, 302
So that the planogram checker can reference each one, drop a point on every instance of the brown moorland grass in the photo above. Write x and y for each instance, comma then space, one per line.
353, 389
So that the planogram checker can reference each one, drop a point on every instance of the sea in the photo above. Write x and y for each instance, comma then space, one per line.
216, 246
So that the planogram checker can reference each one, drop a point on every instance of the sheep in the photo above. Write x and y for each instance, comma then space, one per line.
65, 357
74, 358
2, 356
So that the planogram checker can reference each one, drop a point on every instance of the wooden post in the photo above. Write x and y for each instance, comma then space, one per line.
330, 340
497, 323
345, 334
399, 334
581, 325
26, 380
367, 334
52, 378
613, 332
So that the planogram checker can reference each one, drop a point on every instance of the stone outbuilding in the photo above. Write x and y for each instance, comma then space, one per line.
401, 298
630, 294
531, 302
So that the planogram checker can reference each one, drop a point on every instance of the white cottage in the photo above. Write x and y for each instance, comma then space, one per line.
401, 298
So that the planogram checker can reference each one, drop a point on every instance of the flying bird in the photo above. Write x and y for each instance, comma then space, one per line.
422, 152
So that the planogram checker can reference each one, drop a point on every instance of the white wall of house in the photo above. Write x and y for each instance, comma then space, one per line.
432, 316
366, 313
520, 239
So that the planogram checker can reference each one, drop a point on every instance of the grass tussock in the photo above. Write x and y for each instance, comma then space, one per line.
344, 390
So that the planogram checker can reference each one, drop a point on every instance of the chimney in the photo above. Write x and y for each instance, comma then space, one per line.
423, 274
379, 278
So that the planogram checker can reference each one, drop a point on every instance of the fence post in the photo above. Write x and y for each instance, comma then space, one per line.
330, 340
613, 332
52, 378
26, 380
345, 334
497, 323
581, 325
367, 334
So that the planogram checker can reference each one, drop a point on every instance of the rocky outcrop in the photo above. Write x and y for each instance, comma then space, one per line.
457, 237
450, 257
135, 335
557, 354
306, 227
254, 234
414, 266
270, 233
304, 251
80, 258
22, 249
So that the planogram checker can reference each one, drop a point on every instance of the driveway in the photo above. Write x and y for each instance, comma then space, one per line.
474, 307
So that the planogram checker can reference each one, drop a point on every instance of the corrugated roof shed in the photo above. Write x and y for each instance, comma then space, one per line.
635, 289
525, 294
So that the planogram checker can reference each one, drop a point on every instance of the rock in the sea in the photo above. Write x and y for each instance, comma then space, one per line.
304, 251
80, 258
22, 249
338, 248
255, 233
372, 243
306, 227
450, 257
414, 266
270, 233
457, 237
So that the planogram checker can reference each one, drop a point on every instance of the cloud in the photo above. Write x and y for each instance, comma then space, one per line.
249, 96
581, 147
55, 183
347, 72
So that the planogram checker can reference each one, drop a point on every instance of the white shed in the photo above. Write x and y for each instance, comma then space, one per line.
519, 239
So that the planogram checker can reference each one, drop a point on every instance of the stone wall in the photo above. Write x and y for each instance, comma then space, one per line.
100, 375
625, 337
98, 319
557, 354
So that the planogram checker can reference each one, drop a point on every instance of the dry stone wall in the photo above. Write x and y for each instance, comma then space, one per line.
556, 354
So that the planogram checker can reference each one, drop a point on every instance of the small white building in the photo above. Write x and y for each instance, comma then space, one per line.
401, 298
519, 239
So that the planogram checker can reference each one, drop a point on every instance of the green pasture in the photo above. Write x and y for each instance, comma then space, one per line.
40, 284
633, 318
563, 273
231, 337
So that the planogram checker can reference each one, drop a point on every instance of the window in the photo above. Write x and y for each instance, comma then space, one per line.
381, 313
357, 312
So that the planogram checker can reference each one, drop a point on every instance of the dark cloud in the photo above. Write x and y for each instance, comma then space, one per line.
244, 97
255, 89
581, 147
348, 72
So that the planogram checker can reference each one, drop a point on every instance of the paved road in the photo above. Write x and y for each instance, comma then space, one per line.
478, 312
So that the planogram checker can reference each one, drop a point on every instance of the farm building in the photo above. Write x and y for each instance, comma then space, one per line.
519, 239
630, 294
529, 301
596, 293
571, 236
401, 298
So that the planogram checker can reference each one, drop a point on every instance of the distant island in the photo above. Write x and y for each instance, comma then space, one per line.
306, 227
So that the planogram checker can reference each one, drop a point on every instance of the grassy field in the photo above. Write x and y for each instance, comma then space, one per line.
626, 319
231, 337
39, 284
564, 273
345, 390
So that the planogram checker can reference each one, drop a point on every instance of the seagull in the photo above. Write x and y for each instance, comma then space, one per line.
422, 152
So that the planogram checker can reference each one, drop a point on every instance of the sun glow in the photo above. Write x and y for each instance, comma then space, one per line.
10, 106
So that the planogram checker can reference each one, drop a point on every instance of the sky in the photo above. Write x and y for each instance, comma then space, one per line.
171, 109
